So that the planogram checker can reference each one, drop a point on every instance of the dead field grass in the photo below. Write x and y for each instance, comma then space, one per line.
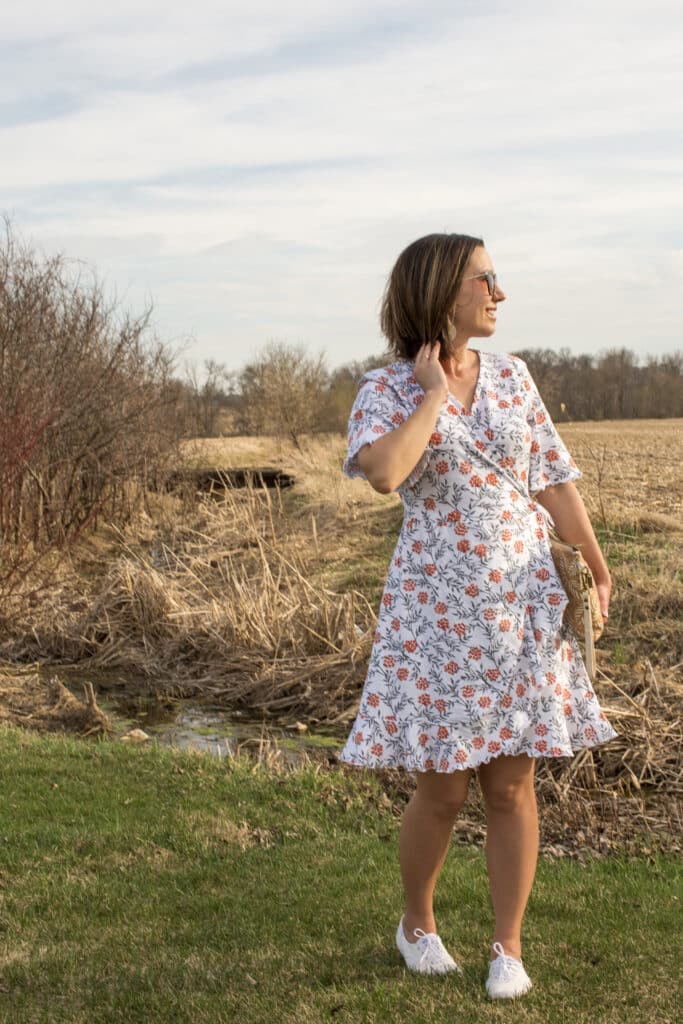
267, 600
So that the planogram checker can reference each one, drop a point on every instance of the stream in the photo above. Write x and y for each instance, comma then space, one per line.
189, 722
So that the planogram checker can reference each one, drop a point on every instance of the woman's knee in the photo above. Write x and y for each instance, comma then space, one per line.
510, 798
507, 786
444, 793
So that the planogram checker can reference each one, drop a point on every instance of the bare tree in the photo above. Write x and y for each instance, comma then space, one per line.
282, 392
208, 399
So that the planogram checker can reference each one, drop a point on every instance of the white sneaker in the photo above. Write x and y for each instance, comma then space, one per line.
428, 955
507, 977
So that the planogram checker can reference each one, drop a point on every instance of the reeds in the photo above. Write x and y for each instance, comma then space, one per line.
223, 597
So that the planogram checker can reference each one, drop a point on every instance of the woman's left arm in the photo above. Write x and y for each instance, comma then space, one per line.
565, 505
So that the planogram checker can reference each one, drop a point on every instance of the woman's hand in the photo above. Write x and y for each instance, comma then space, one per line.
429, 373
604, 589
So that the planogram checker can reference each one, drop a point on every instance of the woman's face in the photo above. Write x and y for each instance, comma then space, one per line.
475, 309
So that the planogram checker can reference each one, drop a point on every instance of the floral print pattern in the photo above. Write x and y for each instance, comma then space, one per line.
470, 658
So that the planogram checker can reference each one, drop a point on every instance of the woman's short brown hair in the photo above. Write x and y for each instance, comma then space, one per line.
421, 291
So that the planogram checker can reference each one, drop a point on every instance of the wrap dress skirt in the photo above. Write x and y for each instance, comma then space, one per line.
470, 658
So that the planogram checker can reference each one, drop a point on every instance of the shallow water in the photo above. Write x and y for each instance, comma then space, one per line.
190, 722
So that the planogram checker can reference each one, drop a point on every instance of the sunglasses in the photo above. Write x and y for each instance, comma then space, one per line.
491, 280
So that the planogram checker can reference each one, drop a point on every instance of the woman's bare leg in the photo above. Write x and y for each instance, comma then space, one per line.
507, 784
425, 835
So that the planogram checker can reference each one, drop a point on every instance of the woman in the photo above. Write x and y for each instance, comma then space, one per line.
471, 666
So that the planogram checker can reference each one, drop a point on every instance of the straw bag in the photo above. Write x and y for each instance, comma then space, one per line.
582, 614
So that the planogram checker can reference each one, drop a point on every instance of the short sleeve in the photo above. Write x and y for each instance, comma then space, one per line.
377, 410
549, 460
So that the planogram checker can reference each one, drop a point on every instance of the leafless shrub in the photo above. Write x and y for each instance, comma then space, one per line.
88, 406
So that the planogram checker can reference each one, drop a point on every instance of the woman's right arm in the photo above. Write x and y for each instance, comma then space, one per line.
391, 458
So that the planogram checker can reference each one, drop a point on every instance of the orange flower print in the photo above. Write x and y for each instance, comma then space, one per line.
472, 546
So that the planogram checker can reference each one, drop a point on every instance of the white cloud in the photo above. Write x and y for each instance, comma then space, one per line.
258, 168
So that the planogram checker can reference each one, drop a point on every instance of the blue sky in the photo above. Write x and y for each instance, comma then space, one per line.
255, 169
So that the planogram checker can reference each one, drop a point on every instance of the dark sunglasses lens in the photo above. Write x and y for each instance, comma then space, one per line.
491, 283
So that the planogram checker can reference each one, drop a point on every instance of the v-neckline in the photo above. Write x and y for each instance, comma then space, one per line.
477, 386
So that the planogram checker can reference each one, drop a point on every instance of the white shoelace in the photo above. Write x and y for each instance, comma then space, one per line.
433, 951
505, 967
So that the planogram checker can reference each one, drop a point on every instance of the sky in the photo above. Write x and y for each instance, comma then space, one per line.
254, 170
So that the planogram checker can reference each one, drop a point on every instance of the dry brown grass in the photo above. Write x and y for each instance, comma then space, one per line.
236, 598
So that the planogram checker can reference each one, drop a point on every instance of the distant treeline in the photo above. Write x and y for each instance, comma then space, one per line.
93, 410
611, 385
285, 391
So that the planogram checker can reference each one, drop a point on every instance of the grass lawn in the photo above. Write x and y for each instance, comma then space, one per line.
152, 884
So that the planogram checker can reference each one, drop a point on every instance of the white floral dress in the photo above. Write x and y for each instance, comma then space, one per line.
470, 658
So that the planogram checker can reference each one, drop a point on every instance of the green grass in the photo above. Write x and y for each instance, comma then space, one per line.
152, 884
